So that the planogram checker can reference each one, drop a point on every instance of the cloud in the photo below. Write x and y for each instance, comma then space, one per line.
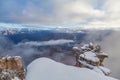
79, 11
95, 14
54, 11
110, 44
111, 18
8, 48
109, 40
32, 50
47, 43
4, 43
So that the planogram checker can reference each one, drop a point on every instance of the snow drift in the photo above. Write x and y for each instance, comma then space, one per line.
47, 69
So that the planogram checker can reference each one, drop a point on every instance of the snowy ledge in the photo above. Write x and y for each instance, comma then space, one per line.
47, 69
100, 69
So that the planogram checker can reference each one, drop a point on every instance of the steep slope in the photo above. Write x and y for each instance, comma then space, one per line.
47, 69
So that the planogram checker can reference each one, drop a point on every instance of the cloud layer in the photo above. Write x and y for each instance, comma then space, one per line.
109, 40
92, 13
110, 43
47, 43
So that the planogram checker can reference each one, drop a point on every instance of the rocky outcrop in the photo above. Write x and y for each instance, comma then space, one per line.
11, 68
92, 57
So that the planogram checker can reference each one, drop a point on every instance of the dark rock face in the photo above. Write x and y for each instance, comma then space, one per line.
11, 68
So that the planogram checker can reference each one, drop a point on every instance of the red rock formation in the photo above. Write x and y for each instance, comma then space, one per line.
12, 64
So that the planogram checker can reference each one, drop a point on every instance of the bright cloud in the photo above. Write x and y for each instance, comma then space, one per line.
111, 18
95, 13
47, 43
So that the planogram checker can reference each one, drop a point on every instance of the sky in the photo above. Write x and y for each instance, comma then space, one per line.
87, 13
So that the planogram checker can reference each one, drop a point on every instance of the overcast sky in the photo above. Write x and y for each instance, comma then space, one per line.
92, 13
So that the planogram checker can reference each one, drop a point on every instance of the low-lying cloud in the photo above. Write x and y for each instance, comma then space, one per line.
47, 43
110, 43
28, 50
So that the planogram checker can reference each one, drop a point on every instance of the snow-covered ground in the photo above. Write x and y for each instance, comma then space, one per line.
47, 69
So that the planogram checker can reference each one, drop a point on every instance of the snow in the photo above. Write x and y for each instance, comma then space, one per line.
96, 69
105, 70
8, 74
90, 56
47, 69
85, 46
104, 54
100, 69
8, 57
86, 64
16, 78
91, 44
76, 48
17, 57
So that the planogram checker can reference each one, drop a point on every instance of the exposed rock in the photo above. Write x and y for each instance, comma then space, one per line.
11, 68
91, 57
